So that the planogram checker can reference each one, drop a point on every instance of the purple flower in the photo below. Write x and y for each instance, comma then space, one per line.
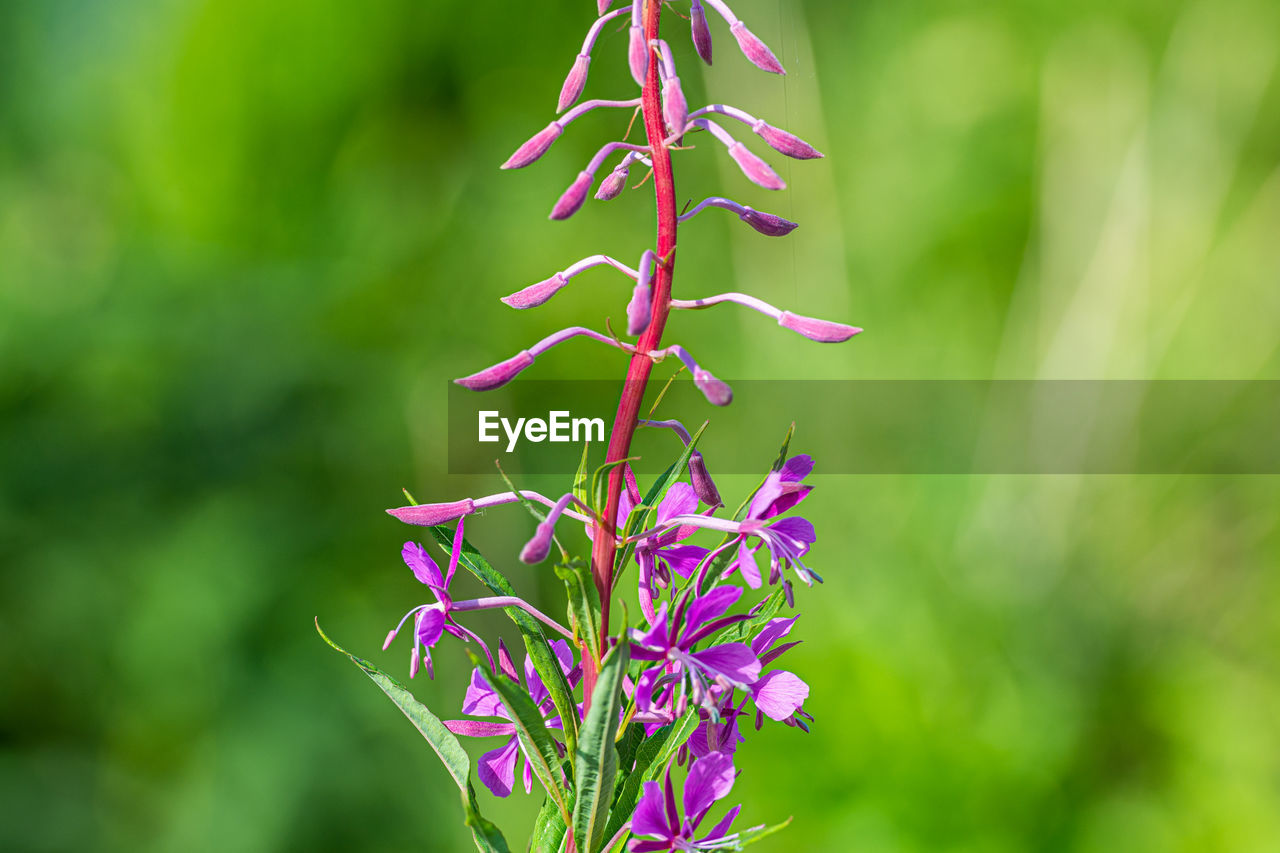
430, 621
497, 767
718, 730
659, 555
681, 675
778, 694
658, 819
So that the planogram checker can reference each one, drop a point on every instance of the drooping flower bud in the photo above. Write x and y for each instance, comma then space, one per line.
535, 147
537, 548
498, 375
573, 197
603, 5
429, 515
785, 143
717, 392
703, 486
536, 294
675, 109
757, 170
701, 32
638, 55
755, 50
574, 83
639, 310
767, 224
614, 183
823, 331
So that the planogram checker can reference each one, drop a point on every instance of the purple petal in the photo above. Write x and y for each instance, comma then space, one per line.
572, 199
746, 562
779, 694
718, 831
732, 660
774, 630
424, 568
710, 779
497, 768
430, 627
650, 815
535, 147
455, 553
680, 499
481, 699
709, 606
682, 559
797, 468
797, 529
756, 51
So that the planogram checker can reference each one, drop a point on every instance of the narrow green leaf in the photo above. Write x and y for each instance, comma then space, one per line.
581, 482
488, 838
751, 836
651, 757
548, 829
539, 747
600, 482
584, 604
596, 762
544, 659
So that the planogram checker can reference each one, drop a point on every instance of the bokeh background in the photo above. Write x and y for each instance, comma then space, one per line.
243, 244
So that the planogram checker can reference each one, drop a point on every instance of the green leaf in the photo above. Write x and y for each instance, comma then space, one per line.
600, 484
544, 659
596, 762
488, 838
651, 758
539, 747
751, 836
548, 829
580, 480
584, 604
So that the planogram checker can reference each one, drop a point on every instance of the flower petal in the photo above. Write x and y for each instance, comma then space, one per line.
424, 568
680, 499
481, 699
779, 694
709, 606
732, 660
430, 625
650, 816
497, 768
710, 779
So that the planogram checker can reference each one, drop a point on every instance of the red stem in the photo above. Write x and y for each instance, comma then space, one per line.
624, 423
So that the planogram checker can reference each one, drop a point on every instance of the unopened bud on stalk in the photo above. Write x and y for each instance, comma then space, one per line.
603, 5
574, 83
703, 486
429, 515
757, 170
822, 331
786, 143
755, 50
717, 392
614, 183
498, 375
768, 224
573, 197
638, 55
639, 310
675, 109
535, 147
701, 32
536, 294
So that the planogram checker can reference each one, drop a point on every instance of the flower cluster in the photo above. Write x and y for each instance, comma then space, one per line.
598, 703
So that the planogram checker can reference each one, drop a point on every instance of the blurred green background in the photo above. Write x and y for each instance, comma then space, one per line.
243, 244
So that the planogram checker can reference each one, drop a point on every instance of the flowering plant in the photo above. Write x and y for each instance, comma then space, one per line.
600, 712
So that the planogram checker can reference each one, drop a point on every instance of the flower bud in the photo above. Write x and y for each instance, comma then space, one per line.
638, 55
767, 223
613, 184
823, 331
756, 51
536, 294
573, 197
498, 375
603, 5
757, 170
785, 143
703, 486
535, 147
639, 312
537, 548
716, 391
574, 83
429, 515
701, 32
675, 109
391, 635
